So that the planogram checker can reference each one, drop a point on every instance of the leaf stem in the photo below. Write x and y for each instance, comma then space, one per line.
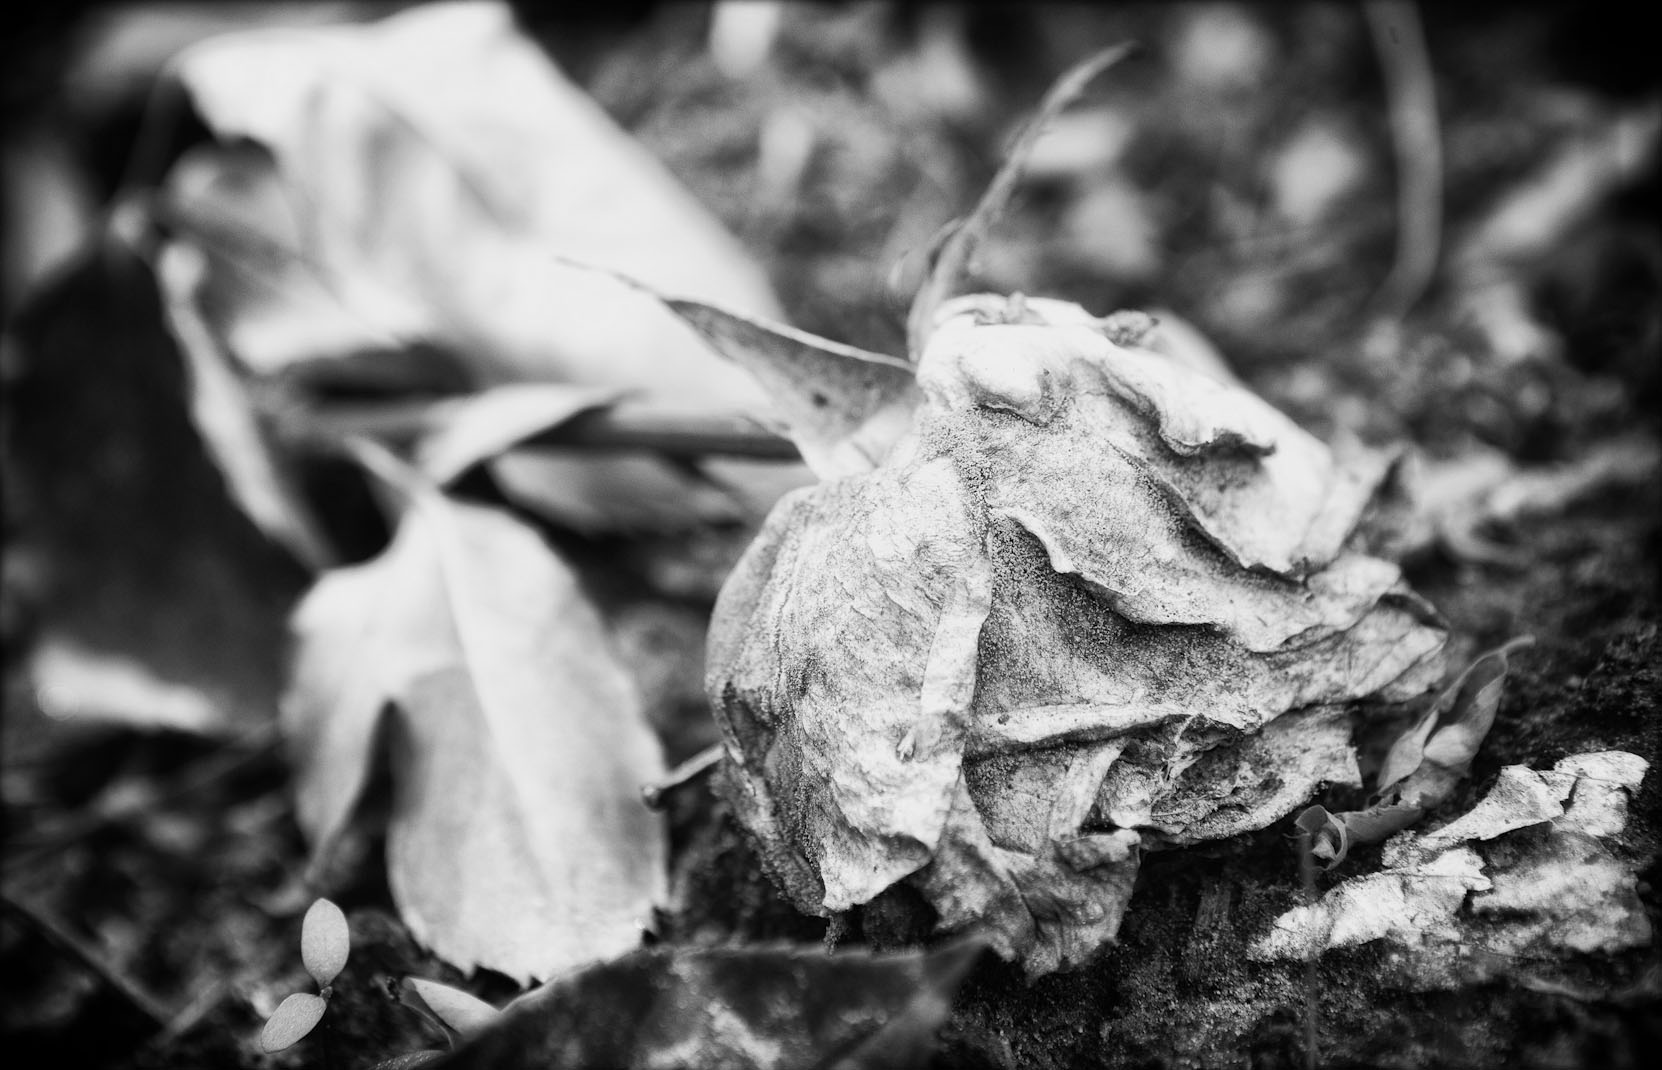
698, 765
626, 426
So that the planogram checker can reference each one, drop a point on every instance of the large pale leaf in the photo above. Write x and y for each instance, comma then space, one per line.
518, 840
1094, 601
758, 1008
425, 170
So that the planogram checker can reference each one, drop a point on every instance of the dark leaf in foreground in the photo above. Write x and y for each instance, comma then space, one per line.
161, 603
733, 1009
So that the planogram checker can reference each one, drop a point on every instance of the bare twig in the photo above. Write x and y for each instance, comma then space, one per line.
626, 426
697, 766
1411, 99
959, 247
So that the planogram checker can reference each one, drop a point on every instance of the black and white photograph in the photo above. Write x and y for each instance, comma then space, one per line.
762, 535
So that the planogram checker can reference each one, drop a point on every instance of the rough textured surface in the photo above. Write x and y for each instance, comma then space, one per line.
1049, 631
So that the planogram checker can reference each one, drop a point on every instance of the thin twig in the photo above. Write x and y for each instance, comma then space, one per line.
626, 426
698, 765
1307, 874
1411, 99
89, 957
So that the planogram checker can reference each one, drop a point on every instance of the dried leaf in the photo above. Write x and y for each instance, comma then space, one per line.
324, 942
842, 406
292, 1020
462, 1012
1466, 900
740, 1008
1068, 615
427, 173
517, 840
1426, 762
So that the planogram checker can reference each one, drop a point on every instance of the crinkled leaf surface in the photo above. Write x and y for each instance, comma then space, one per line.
755, 1008
517, 840
1095, 601
1425, 763
1524, 876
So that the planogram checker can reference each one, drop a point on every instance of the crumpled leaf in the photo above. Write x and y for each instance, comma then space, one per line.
1424, 764
517, 838
1522, 877
988, 667
729, 1007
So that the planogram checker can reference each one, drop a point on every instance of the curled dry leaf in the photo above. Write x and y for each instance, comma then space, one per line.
731, 1008
1093, 602
292, 1020
517, 840
325, 941
1424, 765
1522, 878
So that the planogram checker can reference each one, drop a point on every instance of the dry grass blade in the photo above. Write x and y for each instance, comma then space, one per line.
959, 248
1412, 103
